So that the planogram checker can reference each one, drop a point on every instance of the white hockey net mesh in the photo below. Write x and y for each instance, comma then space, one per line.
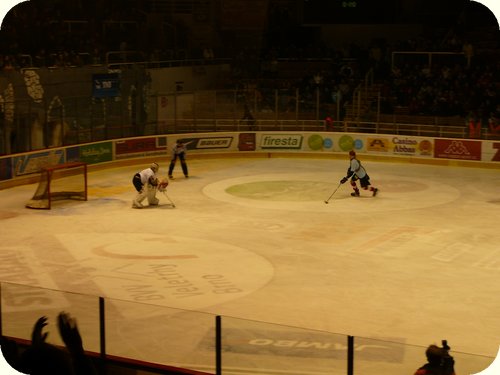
63, 181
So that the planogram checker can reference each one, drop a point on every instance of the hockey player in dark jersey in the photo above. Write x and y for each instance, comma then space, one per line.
178, 151
357, 172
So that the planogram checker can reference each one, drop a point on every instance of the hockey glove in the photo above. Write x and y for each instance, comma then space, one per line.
344, 180
162, 186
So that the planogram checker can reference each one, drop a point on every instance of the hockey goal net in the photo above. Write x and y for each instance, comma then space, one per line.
58, 182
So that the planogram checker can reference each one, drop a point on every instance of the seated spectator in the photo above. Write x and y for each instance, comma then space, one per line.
494, 124
329, 123
208, 53
8, 64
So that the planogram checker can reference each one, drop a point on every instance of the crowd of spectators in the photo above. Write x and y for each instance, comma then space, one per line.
465, 86
443, 90
456, 81
450, 78
61, 34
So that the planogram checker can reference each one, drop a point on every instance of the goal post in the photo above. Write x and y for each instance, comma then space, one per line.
59, 182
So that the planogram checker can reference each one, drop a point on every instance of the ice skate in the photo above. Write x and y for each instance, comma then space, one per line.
136, 204
152, 200
355, 194
375, 191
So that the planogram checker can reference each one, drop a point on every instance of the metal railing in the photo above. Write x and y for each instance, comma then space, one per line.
160, 336
78, 120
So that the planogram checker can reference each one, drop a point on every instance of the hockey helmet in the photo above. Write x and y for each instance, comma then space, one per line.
352, 153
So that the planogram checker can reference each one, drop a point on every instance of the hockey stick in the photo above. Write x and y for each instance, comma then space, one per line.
330, 197
170, 200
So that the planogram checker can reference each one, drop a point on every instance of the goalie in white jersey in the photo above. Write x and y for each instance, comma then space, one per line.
357, 172
146, 183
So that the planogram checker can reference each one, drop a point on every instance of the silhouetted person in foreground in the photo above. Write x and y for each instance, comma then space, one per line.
439, 361
70, 334
42, 358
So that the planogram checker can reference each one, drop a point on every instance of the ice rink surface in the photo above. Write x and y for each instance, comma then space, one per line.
253, 238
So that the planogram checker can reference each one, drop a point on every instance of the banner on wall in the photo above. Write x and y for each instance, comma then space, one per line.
378, 144
33, 163
281, 141
276, 141
491, 151
247, 142
320, 142
400, 145
91, 153
105, 85
457, 149
140, 147
206, 143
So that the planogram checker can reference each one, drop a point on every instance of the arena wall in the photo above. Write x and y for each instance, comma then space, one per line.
24, 168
